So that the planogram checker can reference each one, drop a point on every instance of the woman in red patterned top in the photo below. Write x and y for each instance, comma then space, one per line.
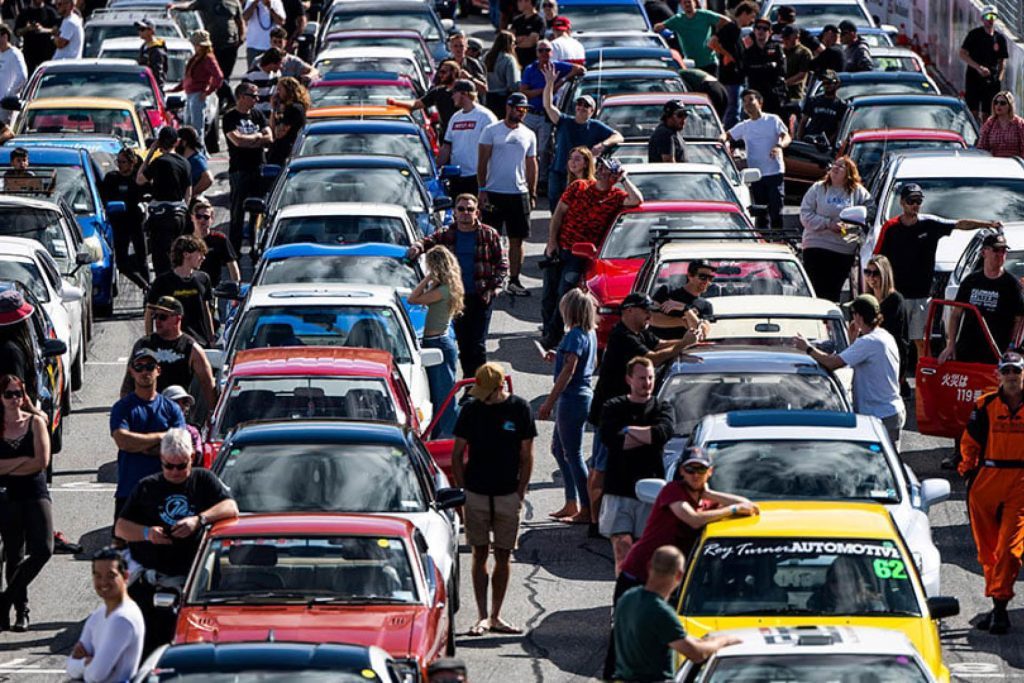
1002, 134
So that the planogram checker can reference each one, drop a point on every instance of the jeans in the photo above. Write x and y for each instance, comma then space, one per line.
567, 444
556, 186
244, 184
769, 190
732, 112
442, 379
471, 334
558, 279
26, 527
541, 125
195, 111
494, 13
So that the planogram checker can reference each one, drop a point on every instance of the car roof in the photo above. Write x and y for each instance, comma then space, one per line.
815, 640
883, 100
891, 51
206, 657
312, 360
882, 77
28, 202
342, 209
306, 249
869, 134
286, 524
119, 16
672, 168
678, 251
684, 205
348, 161
46, 156
926, 164
333, 293
794, 424
367, 51
809, 519
390, 7
20, 246
367, 32
81, 103
353, 110
629, 51
90, 64
767, 305
621, 74
133, 43
690, 98
361, 126
318, 432
745, 359
570, 3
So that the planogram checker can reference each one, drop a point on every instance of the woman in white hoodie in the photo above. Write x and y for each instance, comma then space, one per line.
828, 257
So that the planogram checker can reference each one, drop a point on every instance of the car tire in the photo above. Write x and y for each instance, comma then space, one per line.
449, 646
453, 591
78, 367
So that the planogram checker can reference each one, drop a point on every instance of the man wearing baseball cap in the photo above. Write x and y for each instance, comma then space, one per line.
565, 48
667, 144
910, 242
997, 295
823, 112
462, 137
168, 179
830, 56
992, 460
984, 51
764, 63
153, 51
685, 308
693, 27
856, 52
498, 429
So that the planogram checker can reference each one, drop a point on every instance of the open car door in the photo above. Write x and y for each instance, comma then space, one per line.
441, 445
946, 392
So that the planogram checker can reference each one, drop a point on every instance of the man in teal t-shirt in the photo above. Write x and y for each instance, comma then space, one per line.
693, 29
647, 630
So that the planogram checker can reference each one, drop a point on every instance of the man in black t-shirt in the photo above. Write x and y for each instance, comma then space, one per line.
998, 297
728, 43
685, 308
248, 134
823, 113
667, 144
985, 53
168, 179
35, 26
190, 286
498, 430
439, 96
831, 57
528, 27
163, 522
219, 252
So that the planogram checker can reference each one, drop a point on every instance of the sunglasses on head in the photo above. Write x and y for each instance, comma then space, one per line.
872, 272
1008, 370
181, 466
695, 469
14, 393
144, 367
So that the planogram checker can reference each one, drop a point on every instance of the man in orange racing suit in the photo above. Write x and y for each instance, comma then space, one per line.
992, 452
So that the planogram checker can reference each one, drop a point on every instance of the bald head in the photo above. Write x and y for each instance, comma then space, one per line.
666, 562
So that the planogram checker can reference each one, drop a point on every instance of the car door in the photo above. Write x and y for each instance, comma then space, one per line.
73, 305
964, 267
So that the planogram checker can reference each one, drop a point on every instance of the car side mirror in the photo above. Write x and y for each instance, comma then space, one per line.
174, 102
647, 490
228, 290
431, 357
255, 205
933, 492
83, 257
449, 498
448, 25
451, 171
165, 600
270, 171
585, 250
443, 203
215, 357
70, 294
10, 103
749, 176
53, 348
855, 215
114, 208
942, 607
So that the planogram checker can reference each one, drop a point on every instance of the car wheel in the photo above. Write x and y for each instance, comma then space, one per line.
57, 437
78, 367
88, 321
449, 646
453, 591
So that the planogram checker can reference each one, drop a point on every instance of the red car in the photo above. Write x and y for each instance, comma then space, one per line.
317, 578
616, 262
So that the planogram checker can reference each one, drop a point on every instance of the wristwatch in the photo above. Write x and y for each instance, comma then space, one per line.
203, 521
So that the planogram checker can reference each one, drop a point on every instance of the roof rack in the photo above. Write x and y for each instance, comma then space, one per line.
660, 236
27, 183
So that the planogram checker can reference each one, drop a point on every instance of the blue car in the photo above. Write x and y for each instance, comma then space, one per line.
415, 15
631, 58
601, 84
929, 112
78, 176
602, 15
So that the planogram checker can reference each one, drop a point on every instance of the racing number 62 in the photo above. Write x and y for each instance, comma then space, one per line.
890, 569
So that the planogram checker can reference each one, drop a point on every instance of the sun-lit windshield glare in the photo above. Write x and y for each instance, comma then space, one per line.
692, 396
815, 14
821, 668
27, 274
125, 85
868, 155
640, 120
361, 20
599, 88
666, 185
901, 87
986, 199
176, 61
630, 237
372, 185
341, 230
290, 398
737, 278
374, 144
344, 95
714, 154
371, 270
67, 182
628, 39
803, 469
920, 115
752, 576
274, 569
393, 65
598, 17
773, 330
36, 224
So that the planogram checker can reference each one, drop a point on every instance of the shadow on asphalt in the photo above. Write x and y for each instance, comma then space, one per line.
107, 474
522, 351
70, 627
572, 640
972, 640
95, 540
559, 549
66, 639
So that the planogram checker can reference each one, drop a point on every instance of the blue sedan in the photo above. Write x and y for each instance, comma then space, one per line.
929, 112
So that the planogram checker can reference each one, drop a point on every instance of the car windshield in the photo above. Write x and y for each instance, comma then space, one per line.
291, 398
816, 668
338, 229
896, 63
116, 122
41, 225
600, 88
738, 277
27, 274
256, 675
348, 20
736, 576
409, 147
344, 94
364, 327
868, 155
624, 17
272, 569
694, 395
919, 115
372, 185
640, 120
630, 237
713, 153
176, 61
823, 13
673, 185
986, 199
900, 87
95, 34
605, 63
395, 65
785, 469
383, 41
593, 41
370, 270
125, 85
67, 182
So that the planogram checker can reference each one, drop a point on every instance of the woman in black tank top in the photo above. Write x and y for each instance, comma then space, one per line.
26, 518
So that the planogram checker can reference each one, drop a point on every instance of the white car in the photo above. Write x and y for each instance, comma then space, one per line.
807, 654
816, 13
27, 261
399, 60
971, 259
179, 50
706, 182
820, 455
339, 223
366, 316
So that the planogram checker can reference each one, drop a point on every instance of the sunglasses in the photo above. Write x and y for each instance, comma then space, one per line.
872, 272
543, 49
705, 277
249, 94
549, 5
204, 216
695, 469
999, 250
1002, 103
180, 467
162, 317
583, 104
1008, 370
14, 394
465, 209
913, 202
143, 367
761, 28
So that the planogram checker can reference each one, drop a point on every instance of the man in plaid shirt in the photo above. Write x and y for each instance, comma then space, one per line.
484, 263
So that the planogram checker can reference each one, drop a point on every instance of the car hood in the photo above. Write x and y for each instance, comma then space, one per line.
610, 280
388, 626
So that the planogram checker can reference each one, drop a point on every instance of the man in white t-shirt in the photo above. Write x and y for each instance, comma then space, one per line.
765, 136
260, 16
461, 140
110, 647
68, 36
565, 48
875, 360
13, 71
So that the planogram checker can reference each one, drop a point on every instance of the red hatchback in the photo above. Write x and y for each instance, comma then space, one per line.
319, 578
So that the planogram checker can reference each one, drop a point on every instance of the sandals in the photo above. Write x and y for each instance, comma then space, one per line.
502, 626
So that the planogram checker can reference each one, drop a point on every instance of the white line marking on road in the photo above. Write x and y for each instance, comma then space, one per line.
84, 486
26, 670
13, 663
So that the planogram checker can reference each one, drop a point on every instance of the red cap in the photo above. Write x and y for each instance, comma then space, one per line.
561, 23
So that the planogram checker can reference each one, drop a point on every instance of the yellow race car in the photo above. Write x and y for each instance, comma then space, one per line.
810, 563
85, 116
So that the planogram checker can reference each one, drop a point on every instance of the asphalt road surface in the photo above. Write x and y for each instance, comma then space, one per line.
561, 580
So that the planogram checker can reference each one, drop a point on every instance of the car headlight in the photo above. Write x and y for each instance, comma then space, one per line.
408, 670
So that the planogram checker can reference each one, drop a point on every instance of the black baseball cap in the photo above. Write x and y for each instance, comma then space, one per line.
517, 99
695, 455
143, 352
762, 21
789, 30
168, 304
911, 190
639, 300
699, 263
996, 240
672, 106
830, 27
463, 85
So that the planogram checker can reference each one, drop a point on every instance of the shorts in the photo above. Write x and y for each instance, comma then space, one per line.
599, 455
509, 214
917, 316
622, 515
497, 515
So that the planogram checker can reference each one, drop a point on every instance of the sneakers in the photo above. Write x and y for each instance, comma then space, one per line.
997, 621
515, 288
63, 546
20, 620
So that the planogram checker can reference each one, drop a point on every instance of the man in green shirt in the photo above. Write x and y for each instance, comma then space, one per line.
647, 629
693, 29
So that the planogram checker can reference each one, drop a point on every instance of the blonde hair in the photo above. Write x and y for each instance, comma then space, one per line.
444, 267
578, 309
886, 284
294, 92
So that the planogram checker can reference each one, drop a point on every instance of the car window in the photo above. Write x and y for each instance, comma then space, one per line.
50, 270
737, 576
773, 330
409, 147
630, 236
902, 63
176, 61
919, 115
629, 39
801, 668
95, 34
983, 198
25, 272
740, 277
344, 94
126, 85
338, 229
599, 88
356, 569
669, 185
116, 122
371, 185
694, 395
42, 225
715, 154
325, 477
868, 155
364, 19
70, 183
290, 398
371, 270
820, 14
640, 120
623, 17
788, 469
901, 87
422, 57
396, 65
